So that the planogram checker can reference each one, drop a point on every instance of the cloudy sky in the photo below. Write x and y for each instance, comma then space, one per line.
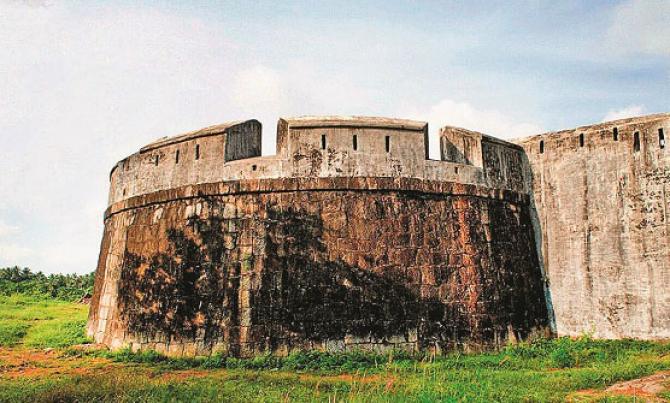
83, 84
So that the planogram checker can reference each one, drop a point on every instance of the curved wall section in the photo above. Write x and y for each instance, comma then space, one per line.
262, 265
324, 147
194, 157
602, 193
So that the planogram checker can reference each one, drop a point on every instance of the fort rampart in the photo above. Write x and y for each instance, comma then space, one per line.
602, 195
348, 238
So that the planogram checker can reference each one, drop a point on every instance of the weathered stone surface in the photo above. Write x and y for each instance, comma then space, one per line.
274, 271
348, 238
351, 238
602, 225
306, 147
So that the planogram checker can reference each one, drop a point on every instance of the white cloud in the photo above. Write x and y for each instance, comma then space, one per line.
12, 254
260, 93
7, 230
627, 112
640, 26
449, 112
84, 86
81, 88
258, 88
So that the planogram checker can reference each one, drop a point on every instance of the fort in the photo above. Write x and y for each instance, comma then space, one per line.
351, 237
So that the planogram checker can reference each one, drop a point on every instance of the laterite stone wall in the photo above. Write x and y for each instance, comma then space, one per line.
272, 265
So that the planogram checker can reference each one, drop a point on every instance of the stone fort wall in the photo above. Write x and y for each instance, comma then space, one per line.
602, 197
348, 238
306, 147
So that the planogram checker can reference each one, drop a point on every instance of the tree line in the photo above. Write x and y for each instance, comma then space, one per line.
69, 287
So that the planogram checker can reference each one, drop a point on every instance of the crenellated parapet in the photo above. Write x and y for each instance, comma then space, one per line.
313, 147
502, 164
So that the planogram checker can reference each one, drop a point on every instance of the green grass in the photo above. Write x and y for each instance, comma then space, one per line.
38, 322
12, 332
524, 372
546, 370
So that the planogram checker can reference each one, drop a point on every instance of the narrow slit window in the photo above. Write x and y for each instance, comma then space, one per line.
355, 142
661, 138
323, 141
388, 143
636, 141
581, 139
156, 160
197, 151
541, 146
615, 134
254, 167
176, 157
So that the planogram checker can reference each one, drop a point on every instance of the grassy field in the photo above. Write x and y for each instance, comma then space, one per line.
548, 370
36, 322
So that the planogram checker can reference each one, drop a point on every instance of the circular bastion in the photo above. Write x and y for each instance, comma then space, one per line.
348, 238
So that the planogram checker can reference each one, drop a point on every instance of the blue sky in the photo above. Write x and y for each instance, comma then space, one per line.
83, 84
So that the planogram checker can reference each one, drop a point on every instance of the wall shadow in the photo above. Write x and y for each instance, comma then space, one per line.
539, 241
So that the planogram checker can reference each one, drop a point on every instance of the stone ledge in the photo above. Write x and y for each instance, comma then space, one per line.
280, 185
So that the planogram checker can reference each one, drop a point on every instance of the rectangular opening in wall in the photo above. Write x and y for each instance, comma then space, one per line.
661, 138
156, 160
197, 151
615, 134
176, 157
323, 141
388, 143
355, 142
581, 139
636, 141
541, 146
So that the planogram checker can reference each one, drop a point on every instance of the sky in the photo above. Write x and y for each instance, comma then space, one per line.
84, 84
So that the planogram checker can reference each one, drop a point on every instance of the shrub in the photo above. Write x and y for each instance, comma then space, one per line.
563, 358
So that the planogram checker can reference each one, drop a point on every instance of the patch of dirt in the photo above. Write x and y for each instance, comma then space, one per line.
647, 389
649, 386
89, 347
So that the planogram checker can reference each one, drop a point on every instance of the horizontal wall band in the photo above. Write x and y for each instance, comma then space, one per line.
282, 185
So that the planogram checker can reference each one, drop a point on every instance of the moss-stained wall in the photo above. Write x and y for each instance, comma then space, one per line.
273, 265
